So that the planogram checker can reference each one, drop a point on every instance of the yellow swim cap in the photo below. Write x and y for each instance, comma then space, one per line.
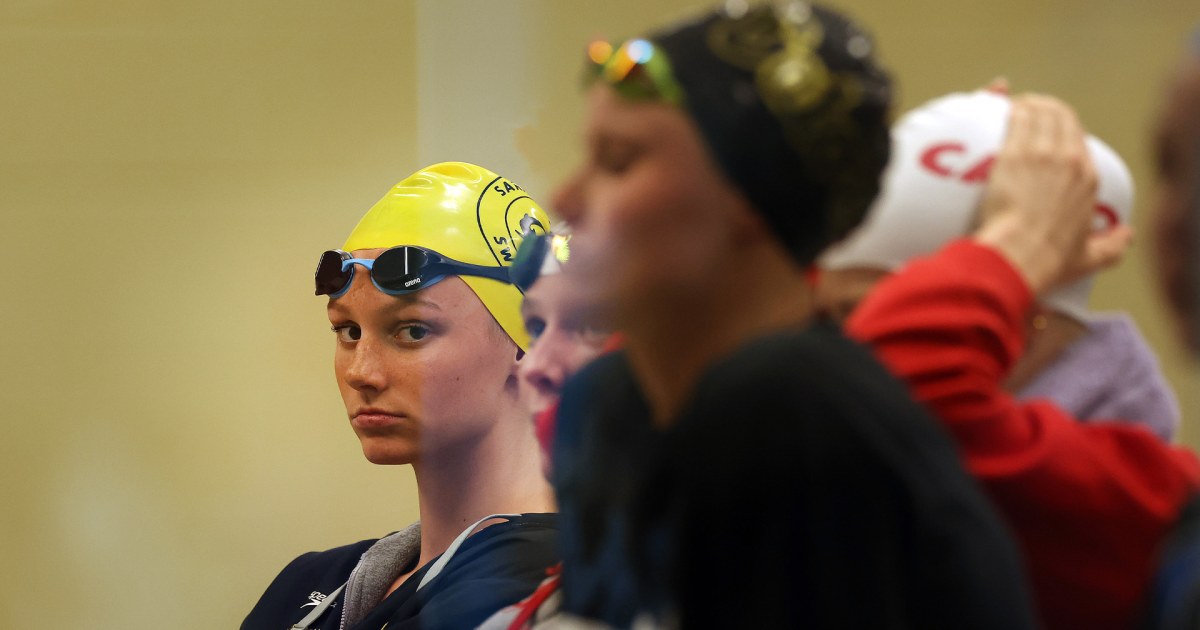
464, 212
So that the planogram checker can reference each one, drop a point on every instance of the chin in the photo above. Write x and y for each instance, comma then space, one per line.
388, 454
389, 460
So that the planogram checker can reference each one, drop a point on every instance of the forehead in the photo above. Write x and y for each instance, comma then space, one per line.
661, 132
550, 291
368, 254
560, 295
610, 113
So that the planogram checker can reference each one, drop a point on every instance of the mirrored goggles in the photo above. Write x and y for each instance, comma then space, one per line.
396, 271
637, 70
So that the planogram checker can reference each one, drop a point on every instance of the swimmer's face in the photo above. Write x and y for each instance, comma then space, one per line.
422, 375
1178, 204
563, 338
651, 214
840, 290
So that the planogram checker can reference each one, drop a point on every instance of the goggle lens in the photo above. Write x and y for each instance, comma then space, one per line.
637, 69
400, 268
538, 255
331, 278
527, 265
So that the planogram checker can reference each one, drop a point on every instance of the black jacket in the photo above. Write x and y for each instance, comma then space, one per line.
801, 487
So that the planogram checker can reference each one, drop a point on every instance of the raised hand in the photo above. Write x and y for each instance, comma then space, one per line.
1038, 205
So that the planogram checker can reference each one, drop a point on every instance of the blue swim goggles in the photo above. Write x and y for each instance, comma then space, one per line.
396, 271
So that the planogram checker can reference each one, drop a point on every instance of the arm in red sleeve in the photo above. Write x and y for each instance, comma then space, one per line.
1088, 503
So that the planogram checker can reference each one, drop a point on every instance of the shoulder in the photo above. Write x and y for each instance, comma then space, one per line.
330, 559
1118, 377
1115, 340
520, 545
817, 393
800, 367
305, 581
494, 568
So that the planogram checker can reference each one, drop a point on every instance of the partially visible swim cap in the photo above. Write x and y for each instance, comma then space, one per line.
942, 153
464, 212
795, 108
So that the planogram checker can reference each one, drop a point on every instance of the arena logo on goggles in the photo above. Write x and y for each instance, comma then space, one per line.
936, 157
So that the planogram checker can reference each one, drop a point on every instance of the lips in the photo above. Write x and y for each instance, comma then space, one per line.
372, 418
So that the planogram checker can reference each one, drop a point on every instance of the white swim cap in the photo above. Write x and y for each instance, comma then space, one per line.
941, 155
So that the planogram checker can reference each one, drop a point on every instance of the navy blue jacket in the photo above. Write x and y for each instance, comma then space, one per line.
494, 568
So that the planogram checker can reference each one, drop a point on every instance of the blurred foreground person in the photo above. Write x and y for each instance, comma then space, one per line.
1097, 367
429, 339
740, 464
1175, 603
1091, 504
566, 332
1177, 215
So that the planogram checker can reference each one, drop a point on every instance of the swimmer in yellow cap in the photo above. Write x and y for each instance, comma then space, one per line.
429, 338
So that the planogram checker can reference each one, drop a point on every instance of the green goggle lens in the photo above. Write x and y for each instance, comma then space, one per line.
637, 69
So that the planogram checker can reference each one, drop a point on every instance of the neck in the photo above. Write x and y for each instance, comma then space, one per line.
499, 474
672, 342
1045, 343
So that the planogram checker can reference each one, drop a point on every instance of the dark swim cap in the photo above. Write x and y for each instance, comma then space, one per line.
791, 102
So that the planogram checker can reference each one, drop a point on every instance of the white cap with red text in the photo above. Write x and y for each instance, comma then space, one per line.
941, 154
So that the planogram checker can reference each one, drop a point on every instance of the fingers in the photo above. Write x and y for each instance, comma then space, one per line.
1104, 249
1038, 204
998, 85
1046, 124
1053, 130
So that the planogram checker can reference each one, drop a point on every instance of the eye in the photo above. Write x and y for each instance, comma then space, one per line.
594, 336
412, 333
615, 156
347, 333
585, 328
535, 326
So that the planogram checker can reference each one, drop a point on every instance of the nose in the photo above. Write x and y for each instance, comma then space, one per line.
364, 367
544, 368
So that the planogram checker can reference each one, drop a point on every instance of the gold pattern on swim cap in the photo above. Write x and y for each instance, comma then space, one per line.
464, 212
788, 49
781, 49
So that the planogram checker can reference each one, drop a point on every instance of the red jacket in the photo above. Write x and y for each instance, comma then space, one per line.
1088, 503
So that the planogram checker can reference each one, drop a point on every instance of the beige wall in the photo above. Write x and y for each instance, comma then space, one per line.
169, 171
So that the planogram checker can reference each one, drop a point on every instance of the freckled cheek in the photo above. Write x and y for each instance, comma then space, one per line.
450, 382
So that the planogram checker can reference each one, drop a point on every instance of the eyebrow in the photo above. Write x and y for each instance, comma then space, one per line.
403, 301
615, 137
